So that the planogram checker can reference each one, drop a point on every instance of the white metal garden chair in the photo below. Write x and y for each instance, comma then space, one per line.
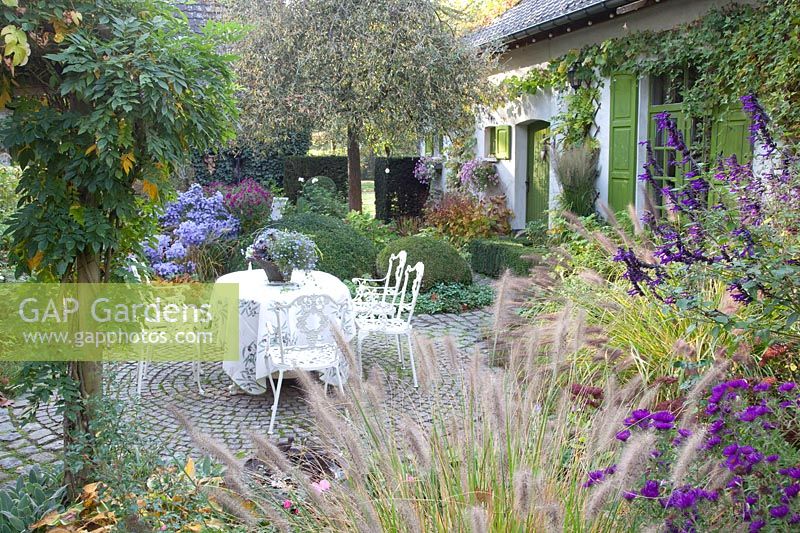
141, 367
398, 322
379, 296
303, 340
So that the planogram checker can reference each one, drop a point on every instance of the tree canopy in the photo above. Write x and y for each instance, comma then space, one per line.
379, 70
107, 97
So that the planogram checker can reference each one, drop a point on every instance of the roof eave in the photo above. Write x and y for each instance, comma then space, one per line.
597, 11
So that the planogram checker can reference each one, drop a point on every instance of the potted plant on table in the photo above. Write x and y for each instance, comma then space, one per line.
279, 252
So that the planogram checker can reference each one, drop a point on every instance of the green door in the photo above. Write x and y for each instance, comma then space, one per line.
622, 155
538, 179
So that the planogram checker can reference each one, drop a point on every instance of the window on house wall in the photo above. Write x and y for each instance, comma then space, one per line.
666, 95
498, 142
434, 145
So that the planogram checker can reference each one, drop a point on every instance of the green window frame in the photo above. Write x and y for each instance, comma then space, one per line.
434, 145
666, 96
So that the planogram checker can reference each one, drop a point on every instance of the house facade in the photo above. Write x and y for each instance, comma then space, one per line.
518, 135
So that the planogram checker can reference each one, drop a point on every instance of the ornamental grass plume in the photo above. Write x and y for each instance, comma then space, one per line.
232, 504
691, 447
630, 466
234, 473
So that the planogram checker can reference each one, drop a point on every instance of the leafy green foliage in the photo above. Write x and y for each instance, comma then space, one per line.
375, 230
130, 89
454, 298
344, 253
29, 499
319, 196
574, 125
443, 263
492, 257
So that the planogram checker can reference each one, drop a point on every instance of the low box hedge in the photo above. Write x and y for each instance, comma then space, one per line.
492, 257
306, 167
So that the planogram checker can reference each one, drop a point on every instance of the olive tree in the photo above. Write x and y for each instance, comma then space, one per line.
373, 70
106, 97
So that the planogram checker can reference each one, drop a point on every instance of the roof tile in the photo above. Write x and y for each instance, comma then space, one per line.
527, 14
199, 12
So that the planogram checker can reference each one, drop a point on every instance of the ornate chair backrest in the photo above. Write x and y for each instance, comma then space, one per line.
406, 306
395, 274
306, 322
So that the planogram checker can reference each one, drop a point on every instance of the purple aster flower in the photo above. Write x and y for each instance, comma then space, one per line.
730, 450
638, 417
762, 387
734, 483
650, 489
792, 472
663, 416
786, 387
772, 458
792, 490
738, 384
623, 435
779, 511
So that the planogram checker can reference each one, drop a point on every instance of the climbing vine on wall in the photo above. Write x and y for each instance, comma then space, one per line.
732, 51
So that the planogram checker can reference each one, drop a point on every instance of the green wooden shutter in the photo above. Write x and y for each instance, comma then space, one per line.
622, 153
503, 137
730, 134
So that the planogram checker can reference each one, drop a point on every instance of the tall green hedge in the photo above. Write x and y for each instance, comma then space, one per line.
398, 194
334, 167
492, 257
262, 161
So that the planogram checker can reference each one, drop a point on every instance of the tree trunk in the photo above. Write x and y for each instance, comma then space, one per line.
89, 377
353, 170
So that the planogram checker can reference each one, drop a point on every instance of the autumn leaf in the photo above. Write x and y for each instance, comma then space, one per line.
36, 260
151, 189
50, 519
77, 212
91, 149
189, 468
127, 161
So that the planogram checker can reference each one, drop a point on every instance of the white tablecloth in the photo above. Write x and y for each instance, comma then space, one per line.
256, 320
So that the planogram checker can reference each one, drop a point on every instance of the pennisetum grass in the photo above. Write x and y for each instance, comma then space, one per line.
509, 454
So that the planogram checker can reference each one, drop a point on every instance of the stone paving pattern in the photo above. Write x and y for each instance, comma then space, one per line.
230, 417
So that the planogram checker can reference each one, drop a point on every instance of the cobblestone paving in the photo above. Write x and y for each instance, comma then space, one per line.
230, 417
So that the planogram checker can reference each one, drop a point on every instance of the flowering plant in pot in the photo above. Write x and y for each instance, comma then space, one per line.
279, 252
478, 176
